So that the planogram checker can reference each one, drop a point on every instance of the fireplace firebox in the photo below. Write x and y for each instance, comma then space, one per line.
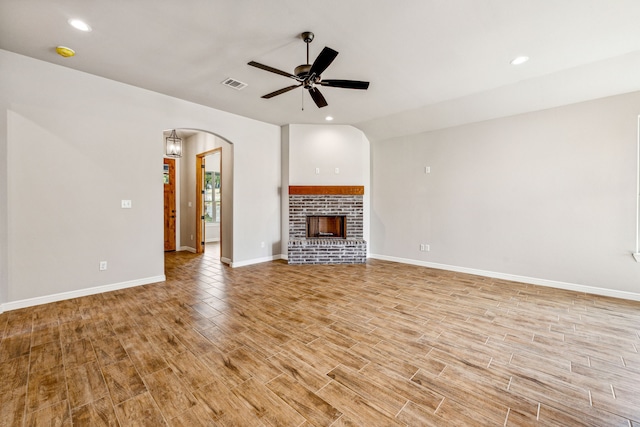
326, 227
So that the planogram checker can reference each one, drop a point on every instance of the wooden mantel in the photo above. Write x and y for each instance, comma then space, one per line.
343, 190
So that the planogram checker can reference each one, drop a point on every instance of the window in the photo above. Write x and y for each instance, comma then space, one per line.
212, 196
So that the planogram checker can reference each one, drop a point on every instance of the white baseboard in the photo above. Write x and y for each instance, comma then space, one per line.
188, 249
515, 278
255, 261
14, 305
225, 260
212, 240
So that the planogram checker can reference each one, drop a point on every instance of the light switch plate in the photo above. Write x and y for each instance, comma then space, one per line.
126, 204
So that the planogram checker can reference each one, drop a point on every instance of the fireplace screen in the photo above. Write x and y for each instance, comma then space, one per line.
324, 227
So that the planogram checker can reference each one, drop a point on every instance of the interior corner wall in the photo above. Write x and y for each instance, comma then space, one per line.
326, 155
4, 253
76, 145
548, 195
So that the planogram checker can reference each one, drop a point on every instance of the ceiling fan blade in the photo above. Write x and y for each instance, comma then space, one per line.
317, 97
280, 91
271, 69
346, 84
323, 60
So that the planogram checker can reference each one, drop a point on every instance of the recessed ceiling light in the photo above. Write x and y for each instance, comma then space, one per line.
519, 60
328, 118
79, 25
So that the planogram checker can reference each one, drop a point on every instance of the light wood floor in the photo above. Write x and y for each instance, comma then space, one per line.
379, 344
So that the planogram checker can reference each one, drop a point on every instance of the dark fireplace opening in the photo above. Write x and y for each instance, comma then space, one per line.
326, 227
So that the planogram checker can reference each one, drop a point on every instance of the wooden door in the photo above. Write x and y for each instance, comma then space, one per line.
169, 205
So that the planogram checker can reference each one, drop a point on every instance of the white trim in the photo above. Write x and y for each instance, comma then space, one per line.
637, 256
255, 261
14, 305
225, 260
515, 278
188, 249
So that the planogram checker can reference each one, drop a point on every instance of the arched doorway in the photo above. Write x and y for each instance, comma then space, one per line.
188, 208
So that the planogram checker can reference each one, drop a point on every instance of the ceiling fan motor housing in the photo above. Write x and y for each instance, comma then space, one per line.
302, 71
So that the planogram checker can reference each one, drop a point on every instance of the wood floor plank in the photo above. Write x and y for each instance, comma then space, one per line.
299, 371
12, 410
354, 406
108, 349
140, 410
45, 333
54, 415
143, 354
78, 352
373, 392
15, 346
266, 405
46, 388
14, 374
97, 413
85, 384
170, 394
191, 370
316, 411
123, 381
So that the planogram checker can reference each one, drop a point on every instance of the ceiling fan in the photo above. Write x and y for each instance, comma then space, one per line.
309, 75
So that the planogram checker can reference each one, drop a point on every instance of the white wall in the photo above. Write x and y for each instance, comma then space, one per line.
76, 146
547, 197
326, 147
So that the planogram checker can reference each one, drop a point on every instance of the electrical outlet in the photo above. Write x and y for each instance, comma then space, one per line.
424, 247
262, 245
103, 265
427, 169
317, 171
126, 204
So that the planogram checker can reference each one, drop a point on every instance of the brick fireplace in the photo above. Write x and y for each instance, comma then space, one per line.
326, 225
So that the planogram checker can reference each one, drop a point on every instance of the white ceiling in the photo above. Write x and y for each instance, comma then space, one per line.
431, 63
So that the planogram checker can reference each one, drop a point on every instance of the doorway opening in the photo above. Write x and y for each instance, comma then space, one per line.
191, 234
209, 200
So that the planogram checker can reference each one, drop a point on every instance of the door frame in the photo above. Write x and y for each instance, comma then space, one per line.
200, 224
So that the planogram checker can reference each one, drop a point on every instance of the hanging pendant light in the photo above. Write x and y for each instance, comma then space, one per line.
173, 145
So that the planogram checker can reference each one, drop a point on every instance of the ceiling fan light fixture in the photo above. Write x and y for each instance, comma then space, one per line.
519, 60
173, 145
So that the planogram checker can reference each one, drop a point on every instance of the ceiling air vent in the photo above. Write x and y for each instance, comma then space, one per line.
235, 84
